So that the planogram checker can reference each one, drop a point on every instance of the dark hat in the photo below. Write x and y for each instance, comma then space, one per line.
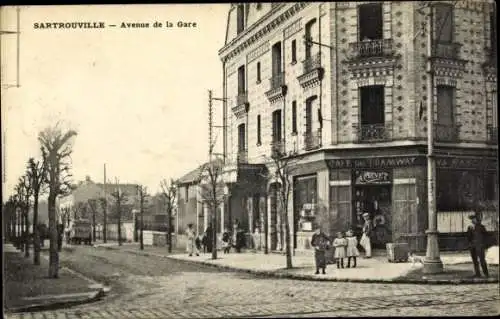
475, 216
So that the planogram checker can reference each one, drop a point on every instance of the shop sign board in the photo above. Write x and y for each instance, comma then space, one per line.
382, 162
372, 177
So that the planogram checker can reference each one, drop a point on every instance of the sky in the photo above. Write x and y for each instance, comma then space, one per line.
138, 97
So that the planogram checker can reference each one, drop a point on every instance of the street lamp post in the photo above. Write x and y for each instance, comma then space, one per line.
432, 261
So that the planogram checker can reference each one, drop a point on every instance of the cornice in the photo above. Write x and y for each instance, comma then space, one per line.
259, 29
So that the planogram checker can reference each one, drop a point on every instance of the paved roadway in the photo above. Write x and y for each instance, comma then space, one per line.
152, 287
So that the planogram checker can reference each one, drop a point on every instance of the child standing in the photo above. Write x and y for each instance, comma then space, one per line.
340, 244
226, 241
352, 248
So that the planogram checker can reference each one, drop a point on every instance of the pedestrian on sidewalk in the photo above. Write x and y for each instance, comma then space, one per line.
191, 245
477, 238
209, 238
365, 241
340, 244
226, 241
352, 248
320, 243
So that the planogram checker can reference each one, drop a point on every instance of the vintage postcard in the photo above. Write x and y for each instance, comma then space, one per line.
257, 159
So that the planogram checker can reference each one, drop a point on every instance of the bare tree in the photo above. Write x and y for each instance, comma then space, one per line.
143, 193
213, 196
120, 198
56, 150
24, 192
169, 192
92, 203
281, 171
104, 203
37, 176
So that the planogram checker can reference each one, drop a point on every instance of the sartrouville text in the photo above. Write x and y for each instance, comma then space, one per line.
69, 25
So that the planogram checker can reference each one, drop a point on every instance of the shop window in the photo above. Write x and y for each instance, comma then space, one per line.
240, 17
443, 27
370, 21
259, 142
241, 79
276, 126
294, 117
294, 51
445, 105
372, 105
241, 138
258, 72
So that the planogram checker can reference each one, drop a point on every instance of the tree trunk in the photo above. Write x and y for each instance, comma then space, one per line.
119, 224
169, 230
23, 231
93, 226
287, 240
54, 254
36, 233
27, 235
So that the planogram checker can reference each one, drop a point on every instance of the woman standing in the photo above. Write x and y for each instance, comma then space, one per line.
191, 244
365, 241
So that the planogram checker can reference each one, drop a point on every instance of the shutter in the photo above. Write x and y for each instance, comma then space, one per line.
340, 208
404, 218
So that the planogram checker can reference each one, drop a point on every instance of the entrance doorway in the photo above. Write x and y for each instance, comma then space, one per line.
375, 200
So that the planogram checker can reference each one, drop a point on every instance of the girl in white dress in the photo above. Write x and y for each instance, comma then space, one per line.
340, 244
352, 248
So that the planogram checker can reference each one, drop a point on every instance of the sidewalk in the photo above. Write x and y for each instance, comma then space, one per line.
457, 267
28, 288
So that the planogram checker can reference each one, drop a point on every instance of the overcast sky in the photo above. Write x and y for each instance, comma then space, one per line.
137, 97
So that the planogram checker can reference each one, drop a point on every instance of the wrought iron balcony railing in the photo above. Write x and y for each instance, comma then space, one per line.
446, 50
312, 140
492, 134
277, 80
372, 48
446, 132
277, 148
374, 132
311, 63
242, 156
242, 98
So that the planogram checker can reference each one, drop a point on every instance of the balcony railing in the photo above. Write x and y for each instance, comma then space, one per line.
311, 63
277, 80
374, 132
312, 140
277, 148
242, 98
242, 156
371, 48
446, 132
446, 50
492, 134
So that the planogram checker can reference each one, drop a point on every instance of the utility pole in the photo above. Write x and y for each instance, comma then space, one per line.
105, 208
432, 261
141, 236
119, 211
210, 151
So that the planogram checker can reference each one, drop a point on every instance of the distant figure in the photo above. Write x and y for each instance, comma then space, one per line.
365, 241
352, 248
191, 245
198, 242
477, 237
320, 243
209, 238
226, 242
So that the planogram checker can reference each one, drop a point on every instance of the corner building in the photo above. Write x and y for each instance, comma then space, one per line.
341, 88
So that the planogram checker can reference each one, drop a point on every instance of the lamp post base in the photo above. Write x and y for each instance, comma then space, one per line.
432, 261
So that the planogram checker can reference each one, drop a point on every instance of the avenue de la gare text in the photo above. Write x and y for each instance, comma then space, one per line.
101, 25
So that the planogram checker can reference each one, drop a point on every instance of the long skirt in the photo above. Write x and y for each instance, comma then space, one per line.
366, 244
319, 257
191, 246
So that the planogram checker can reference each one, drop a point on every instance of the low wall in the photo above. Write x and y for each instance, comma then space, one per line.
127, 231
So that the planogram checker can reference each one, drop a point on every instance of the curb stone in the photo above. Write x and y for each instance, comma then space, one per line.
283, 275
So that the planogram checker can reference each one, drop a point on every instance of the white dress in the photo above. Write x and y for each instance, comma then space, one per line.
352, 249
340, 244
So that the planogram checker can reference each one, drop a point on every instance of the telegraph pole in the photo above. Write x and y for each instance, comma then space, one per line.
119, 211
141, 194
432, 261
214, 193
105, 208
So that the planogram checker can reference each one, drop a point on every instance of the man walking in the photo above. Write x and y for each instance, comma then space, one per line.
477, 237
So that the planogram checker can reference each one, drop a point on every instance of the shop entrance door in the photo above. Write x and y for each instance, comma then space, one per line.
376, 200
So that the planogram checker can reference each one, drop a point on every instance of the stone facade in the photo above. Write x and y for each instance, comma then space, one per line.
326, 81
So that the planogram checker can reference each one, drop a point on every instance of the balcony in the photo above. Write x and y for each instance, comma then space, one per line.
242, 104
492, 135
277, 148
374, 132
371, 48
312, 72
277, 88
312, 140
242, 156
446, 132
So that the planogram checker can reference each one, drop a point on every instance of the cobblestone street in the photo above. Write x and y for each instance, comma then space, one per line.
151, 287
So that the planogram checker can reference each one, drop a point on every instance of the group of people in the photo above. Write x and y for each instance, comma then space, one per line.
196, 244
